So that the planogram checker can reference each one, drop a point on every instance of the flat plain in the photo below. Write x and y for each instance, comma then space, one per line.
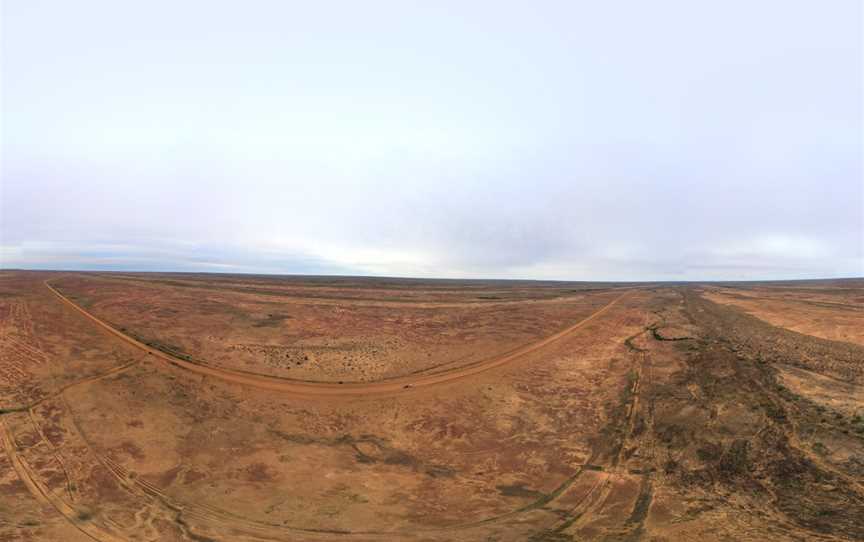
201, 407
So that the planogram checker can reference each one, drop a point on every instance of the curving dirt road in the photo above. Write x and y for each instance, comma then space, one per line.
297, 387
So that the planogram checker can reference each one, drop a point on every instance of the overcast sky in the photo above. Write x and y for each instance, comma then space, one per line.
567, 140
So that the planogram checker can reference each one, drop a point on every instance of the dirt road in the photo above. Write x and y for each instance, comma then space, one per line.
395, 385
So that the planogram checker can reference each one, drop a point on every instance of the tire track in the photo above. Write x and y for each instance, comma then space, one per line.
87, 380
44, 495
210, 516
349, 390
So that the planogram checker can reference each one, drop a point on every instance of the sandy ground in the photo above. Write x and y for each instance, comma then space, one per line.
830, 310
492, 411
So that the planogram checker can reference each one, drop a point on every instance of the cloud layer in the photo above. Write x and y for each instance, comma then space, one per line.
599, 141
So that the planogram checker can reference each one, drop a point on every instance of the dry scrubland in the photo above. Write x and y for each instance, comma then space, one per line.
216, 407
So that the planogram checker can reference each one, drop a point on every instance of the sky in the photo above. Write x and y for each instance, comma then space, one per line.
662, 140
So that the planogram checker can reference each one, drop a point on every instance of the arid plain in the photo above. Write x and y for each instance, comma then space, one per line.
250, 408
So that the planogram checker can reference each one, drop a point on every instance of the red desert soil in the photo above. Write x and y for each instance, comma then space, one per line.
162, 407
364, 334
352, 389
830, 309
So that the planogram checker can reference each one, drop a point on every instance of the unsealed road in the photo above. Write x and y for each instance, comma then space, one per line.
333, 390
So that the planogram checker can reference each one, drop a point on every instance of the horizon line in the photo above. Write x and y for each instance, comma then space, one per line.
451, 279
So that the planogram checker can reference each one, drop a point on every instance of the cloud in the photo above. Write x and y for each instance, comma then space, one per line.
776, 246
561, 141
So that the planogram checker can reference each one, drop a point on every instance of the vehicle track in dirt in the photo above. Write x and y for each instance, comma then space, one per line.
329, 390
162, 504
44, 495
157, 502
105, 374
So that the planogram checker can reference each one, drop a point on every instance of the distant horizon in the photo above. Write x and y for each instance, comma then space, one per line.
420, 279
